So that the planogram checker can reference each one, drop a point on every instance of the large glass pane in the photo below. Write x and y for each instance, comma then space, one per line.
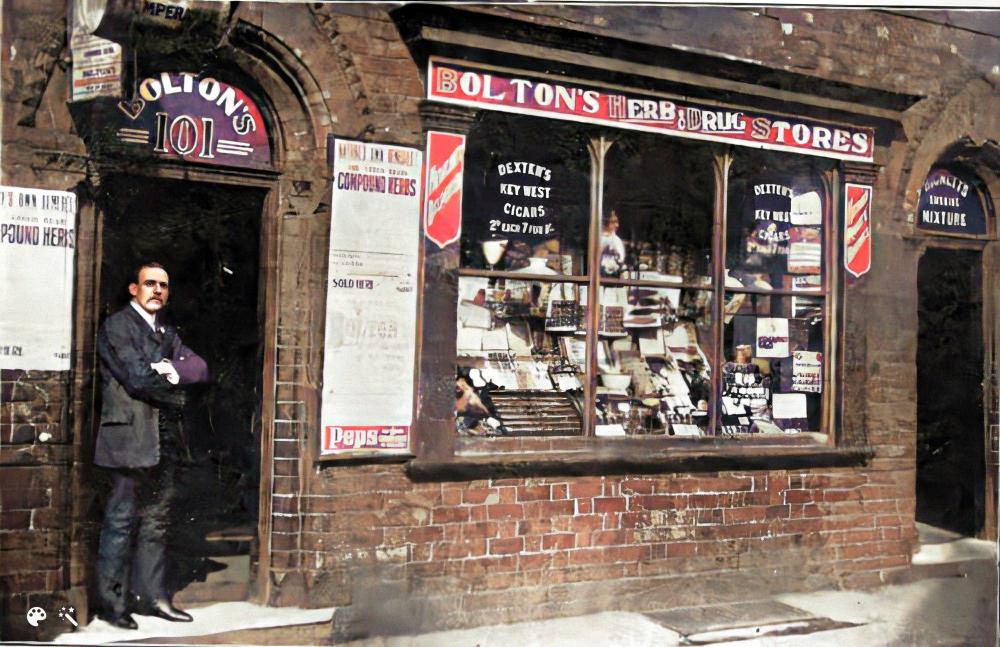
526, 200
775, 220
654, 360
657, 217
521, 357
772, 380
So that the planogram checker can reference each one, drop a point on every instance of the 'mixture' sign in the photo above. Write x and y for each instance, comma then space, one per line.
950, 203
197, 119
462, 84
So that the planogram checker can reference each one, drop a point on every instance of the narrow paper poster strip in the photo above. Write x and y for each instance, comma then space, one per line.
371, 313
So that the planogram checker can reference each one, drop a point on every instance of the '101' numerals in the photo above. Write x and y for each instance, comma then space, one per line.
184, 135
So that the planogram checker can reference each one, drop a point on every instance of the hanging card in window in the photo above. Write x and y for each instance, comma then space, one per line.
772, 337
807, 371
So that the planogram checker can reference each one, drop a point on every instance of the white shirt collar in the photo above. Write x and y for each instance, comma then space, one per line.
149, 318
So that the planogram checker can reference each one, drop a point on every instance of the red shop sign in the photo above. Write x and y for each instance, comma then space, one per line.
462, 84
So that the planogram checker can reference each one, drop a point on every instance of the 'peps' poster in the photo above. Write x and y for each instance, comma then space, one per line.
37, 251
371, 300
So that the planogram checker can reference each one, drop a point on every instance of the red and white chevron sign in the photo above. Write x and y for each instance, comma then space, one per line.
857, 229
443, 211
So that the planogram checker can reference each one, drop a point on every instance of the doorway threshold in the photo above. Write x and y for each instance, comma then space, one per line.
940, 546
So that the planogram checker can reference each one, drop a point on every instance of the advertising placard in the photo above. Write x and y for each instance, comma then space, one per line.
951, 204
97, 67
445, 165
97, 62
475, 86
197, 119
371, 300
37, 252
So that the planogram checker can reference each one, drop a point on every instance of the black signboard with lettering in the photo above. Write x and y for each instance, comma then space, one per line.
952, 202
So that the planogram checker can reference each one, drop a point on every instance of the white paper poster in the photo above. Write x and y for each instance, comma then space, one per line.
789, 406
371, 305
37, 250
97, 62
807, 371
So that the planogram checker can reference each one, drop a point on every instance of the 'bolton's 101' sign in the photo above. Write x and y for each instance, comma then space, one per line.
198, 119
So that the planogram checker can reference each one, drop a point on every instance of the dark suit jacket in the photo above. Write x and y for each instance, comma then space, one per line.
133, 393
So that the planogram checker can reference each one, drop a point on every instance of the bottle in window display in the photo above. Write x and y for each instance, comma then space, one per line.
746, 394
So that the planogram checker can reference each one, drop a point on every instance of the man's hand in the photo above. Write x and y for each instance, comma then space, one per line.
167, 370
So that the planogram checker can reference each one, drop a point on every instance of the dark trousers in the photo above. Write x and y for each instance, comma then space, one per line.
131, 557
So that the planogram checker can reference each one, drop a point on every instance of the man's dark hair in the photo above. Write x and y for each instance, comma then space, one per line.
142, 266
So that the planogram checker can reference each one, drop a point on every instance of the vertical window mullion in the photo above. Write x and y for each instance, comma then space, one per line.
722, 164
598, 148
831, 316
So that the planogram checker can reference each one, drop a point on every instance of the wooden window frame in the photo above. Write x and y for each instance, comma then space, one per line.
486, 451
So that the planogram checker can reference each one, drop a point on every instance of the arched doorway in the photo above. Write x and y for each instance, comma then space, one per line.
184, 175
956, 390
294, 184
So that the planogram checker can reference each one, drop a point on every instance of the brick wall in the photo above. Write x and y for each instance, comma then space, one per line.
35, 459
497, 550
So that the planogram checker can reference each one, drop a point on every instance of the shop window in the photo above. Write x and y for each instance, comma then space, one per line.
656, 287
591, 265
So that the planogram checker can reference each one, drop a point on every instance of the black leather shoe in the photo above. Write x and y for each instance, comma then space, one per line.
123, 621
163, 608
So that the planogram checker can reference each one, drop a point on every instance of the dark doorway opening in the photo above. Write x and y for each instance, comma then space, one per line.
951, 466
207, 236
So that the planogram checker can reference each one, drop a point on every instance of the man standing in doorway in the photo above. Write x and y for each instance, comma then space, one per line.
143, 367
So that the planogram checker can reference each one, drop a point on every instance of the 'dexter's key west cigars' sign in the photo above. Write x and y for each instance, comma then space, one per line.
462, 84
197, 119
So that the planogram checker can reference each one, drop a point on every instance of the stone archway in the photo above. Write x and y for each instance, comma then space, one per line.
966, 131
298, 115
